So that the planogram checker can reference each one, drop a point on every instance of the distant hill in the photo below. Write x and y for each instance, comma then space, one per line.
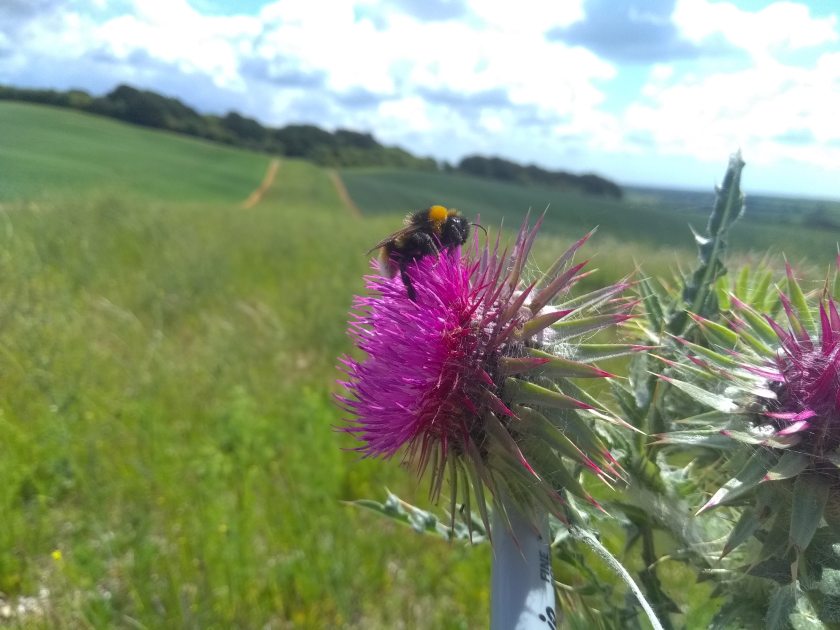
507, 171
342, 148
66, 154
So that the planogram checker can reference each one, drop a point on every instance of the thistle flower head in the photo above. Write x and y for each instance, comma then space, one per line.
804, 374
470, 380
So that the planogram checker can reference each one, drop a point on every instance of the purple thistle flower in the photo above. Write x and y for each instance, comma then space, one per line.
470, 380
804, 376
785, 378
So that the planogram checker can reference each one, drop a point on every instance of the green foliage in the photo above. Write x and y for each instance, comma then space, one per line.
810, 494
782, 490
698, 288
507, 171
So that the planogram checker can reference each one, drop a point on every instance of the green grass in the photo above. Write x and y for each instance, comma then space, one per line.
59, 152
168, 424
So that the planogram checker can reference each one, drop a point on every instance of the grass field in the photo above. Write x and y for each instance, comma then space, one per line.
166, 411
167, 361
54, 152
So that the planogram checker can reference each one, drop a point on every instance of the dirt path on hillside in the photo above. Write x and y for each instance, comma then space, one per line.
341, 189
270, 175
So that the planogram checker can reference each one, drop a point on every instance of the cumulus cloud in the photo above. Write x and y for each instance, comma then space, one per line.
779, 25
774, 111
797, 137
425, 70
282, 73
640, 31
14, 13
432, 10
527, 16
771, 110
491, 98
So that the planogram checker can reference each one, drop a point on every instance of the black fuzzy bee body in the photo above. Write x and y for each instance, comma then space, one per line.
424, 232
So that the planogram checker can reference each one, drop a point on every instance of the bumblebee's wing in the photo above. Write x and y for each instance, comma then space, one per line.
404, 231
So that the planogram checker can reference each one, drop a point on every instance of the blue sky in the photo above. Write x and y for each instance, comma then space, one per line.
642, 91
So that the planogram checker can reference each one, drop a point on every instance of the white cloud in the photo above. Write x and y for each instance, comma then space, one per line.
771, 111
660, 72
289, 40
774, 111
777, 26
172, 32
411, 113
527, 16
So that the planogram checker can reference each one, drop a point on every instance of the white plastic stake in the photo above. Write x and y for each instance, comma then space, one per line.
522, 596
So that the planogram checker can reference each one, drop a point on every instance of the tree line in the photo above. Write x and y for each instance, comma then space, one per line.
505, 170
342, 148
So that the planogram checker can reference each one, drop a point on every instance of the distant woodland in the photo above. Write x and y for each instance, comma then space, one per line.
342, 148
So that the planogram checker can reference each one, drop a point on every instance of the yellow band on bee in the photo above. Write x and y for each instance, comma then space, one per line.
438, 213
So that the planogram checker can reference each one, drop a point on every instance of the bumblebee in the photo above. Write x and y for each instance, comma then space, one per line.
424, 232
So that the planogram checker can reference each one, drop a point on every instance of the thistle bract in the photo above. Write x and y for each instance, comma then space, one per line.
471, 381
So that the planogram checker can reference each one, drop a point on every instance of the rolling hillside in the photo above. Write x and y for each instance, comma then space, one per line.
53, 151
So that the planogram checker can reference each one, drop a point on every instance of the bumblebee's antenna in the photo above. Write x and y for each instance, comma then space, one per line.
483, 229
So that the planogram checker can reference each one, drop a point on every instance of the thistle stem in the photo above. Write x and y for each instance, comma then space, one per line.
522, 594
588, 539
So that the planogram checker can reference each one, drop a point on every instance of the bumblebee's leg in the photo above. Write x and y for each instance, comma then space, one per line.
412, 294
428, 244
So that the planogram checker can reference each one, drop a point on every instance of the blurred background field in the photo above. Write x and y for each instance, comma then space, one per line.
167, 357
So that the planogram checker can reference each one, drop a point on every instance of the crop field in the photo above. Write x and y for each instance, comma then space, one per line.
59, 153
649, 220
167, 360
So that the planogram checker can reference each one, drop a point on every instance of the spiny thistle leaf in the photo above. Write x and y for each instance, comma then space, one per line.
423, 521
707, 439
715, 401
524, 393
743, 531
716, 333
810, 494
756, 321
797, 298
729, 205
790, 464
558, 367
653, 304
782, 605
748, 478
588, 352
586, 325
